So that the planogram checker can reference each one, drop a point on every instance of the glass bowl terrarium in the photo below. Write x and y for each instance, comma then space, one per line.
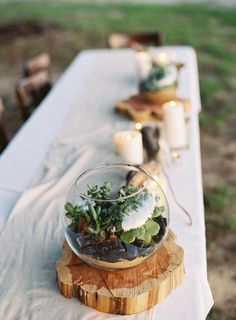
115, 216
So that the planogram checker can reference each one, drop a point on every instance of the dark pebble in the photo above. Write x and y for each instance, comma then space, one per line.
114, 251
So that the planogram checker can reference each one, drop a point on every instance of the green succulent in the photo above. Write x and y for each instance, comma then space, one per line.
151, 83
145, 232
104, 218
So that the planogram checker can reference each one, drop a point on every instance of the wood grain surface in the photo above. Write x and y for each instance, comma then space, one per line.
127, 291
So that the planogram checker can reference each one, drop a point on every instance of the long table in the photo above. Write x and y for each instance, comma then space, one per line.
72, 131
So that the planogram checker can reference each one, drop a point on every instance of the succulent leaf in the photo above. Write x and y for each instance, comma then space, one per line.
158, 211
128, 236
152, 227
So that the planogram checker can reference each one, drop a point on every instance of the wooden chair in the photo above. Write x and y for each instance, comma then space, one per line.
38, 63
136, 41
31, 91
3, 133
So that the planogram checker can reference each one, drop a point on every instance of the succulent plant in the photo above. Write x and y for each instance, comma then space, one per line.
104, 219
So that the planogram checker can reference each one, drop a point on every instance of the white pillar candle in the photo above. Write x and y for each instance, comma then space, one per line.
144, 62
165, 58
129, 145
174, 123
162, 58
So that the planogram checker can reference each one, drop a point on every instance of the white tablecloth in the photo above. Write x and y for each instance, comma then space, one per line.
78, 118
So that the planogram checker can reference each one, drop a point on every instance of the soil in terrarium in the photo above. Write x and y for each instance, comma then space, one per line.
114, 250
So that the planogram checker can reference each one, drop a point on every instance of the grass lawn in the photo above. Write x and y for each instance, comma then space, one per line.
211, 31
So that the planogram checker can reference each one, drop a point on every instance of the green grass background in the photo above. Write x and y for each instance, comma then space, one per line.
211, 31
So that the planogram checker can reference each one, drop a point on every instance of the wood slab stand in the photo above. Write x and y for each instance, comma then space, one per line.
127, 291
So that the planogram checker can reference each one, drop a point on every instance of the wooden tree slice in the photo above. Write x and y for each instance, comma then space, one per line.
127, 291
145, 107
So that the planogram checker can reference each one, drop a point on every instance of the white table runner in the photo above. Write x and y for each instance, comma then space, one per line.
31, 240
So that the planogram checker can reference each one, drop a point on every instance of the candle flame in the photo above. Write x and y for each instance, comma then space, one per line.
138, 126
163, 58
175, 155
173, 103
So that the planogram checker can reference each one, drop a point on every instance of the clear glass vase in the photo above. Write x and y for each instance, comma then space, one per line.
115, 216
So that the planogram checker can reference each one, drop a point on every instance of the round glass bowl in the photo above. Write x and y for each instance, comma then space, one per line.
115, 216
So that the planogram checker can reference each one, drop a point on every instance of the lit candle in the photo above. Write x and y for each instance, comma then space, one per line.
174, 124
162, 58
129, 146
144, 62
165, 58
138, 126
